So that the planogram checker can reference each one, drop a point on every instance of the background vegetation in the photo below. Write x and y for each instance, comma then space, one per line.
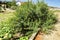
11, 5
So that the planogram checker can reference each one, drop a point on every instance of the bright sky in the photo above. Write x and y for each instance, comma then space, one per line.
55, 3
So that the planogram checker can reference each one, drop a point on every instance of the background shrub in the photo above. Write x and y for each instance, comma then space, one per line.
11, 4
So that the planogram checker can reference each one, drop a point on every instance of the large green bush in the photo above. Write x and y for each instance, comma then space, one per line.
33, 16
27, 19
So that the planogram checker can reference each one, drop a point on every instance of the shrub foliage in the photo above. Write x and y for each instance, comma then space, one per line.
28, 18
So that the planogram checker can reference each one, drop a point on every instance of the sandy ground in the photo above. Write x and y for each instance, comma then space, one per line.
55, 34
7, 11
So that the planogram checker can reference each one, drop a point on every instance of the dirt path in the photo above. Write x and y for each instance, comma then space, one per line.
55, 35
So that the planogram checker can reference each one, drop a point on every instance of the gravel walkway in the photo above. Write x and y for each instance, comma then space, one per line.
55, 35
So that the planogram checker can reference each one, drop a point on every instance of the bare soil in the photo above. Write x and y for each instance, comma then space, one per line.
39, 36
